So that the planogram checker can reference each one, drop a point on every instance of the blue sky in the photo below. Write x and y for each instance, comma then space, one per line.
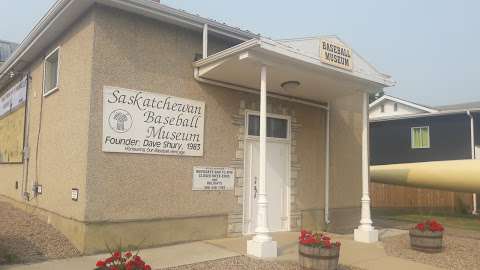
431, 47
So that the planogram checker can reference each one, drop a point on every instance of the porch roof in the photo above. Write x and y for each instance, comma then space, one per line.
239, 66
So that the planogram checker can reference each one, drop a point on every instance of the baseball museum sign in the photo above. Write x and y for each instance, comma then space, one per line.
147, 123
335, 54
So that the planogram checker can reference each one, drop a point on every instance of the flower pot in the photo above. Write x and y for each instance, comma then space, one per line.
426, 241
318, 258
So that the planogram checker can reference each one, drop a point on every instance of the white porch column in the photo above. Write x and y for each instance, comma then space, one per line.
365, 232
262, 245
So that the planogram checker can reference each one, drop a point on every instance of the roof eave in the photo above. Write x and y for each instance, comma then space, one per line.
284, 50
151, 9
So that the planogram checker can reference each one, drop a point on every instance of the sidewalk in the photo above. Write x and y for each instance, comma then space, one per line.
365, 256
158, 258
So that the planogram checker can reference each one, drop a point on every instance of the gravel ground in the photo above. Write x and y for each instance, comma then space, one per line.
24, 238
246, 263
459, 252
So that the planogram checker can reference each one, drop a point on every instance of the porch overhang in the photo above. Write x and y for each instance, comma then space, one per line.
239, 67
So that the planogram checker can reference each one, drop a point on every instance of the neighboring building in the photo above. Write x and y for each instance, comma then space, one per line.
430, 134
389, 106
6, 49
445, 134
142, 122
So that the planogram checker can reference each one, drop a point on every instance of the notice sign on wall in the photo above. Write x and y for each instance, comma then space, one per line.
13, 97
335, 54
147, 123
213, 178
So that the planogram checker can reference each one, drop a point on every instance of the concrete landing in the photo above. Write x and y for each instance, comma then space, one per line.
365, 256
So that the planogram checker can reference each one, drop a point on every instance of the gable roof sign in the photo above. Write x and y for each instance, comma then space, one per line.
345, 59
404, 102
64, 13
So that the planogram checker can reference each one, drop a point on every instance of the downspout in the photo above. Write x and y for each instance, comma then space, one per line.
205, 41
327, 166
472, 143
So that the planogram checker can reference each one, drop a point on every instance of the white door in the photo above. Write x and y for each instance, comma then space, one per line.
277, 183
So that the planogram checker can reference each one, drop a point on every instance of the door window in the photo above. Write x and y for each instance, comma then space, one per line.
276, 127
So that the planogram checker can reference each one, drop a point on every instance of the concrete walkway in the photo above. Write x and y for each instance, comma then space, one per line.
158, 258
365, 256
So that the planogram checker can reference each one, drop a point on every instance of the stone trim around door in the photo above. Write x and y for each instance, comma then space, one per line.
235, 218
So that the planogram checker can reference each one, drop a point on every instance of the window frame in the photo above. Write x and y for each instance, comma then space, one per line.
57, 87
395, 107
269, 115
412, 137
382, 108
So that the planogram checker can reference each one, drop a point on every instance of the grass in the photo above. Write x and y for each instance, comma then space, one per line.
453, 220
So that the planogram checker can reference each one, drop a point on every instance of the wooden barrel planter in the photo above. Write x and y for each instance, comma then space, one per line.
426, 241
318, 258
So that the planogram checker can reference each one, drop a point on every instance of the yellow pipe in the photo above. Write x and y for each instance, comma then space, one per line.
452, 175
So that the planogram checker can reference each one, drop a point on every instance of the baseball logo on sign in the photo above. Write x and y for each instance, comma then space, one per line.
120, 121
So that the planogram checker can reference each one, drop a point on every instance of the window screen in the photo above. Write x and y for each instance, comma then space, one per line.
50, 82
420, 137
276, 127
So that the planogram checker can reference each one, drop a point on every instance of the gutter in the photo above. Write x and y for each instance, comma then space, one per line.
141, 7
40, 28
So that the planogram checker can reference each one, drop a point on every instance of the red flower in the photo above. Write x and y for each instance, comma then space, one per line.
117, 255
431, 225
147, 267
109, 260
128, 254
101, 264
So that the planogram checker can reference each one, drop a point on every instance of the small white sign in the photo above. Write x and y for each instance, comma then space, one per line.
213, 178
147, 123
75, 194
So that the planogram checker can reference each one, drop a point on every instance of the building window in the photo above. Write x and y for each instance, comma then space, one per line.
382, 108
276, 127
395, 107
50, 73
420, 137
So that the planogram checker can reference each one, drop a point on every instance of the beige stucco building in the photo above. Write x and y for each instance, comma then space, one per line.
94, 194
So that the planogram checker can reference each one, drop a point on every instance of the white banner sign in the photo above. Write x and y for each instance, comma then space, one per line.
213, 178
13, 97
148, 123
